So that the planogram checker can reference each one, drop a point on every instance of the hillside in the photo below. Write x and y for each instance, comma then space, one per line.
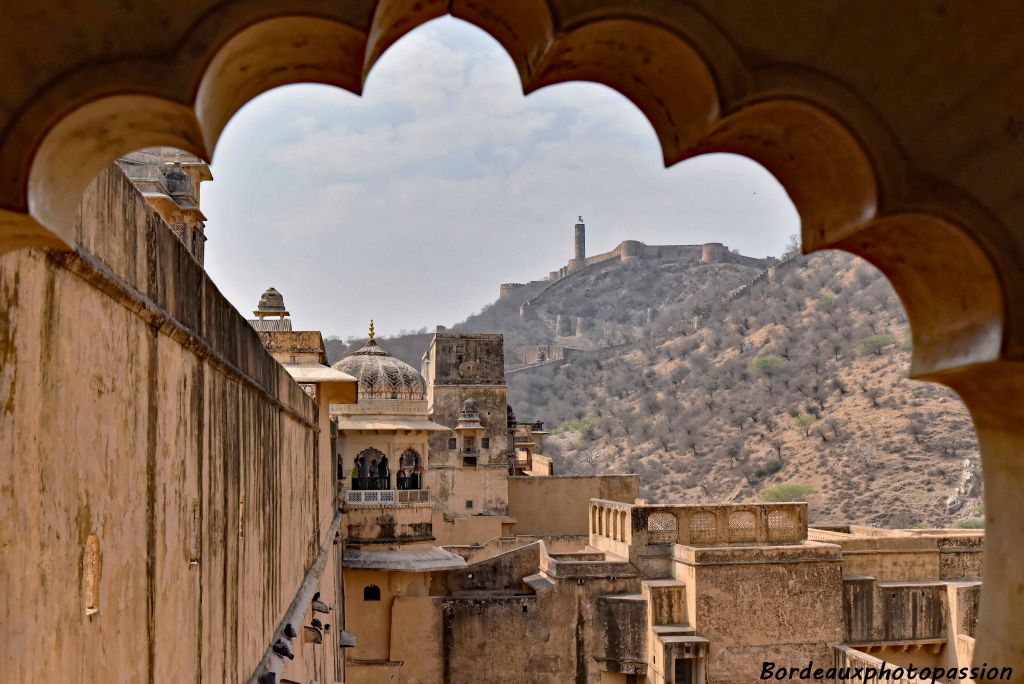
617, 302
795, 389
790, 387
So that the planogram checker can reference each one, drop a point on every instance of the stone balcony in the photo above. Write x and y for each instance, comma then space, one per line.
655, 538
387, 498
376, 516
615, 526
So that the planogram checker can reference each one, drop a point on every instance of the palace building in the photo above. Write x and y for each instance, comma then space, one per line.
178, 500
457, 535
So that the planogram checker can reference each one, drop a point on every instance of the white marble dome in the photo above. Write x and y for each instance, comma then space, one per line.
382, 376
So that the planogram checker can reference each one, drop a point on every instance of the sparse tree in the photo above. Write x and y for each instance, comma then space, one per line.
805, 422
591, 458
833, 426
876, 344
874, 393
916, 426
767, 367
792, 247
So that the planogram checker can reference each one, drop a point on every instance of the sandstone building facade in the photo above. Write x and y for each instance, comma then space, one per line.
893, 153
584, 581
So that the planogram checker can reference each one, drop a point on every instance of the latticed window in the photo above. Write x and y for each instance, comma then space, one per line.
409, 459
781, 526
703, 526
742, 526
662, 528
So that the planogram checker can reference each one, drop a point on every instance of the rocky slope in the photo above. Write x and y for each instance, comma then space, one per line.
792, 387
796, 389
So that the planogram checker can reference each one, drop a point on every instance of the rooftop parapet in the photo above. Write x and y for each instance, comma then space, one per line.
924, 555
615, 526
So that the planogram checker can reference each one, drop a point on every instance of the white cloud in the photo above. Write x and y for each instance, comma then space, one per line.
413, 203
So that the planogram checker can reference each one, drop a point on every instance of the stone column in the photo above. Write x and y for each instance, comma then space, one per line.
993, 394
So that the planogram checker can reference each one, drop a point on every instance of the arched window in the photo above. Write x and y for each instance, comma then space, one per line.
409, 470
370, 454
410, 459
371, 593
370, 476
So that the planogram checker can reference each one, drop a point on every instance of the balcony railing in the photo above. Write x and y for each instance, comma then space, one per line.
765, 523
387, 497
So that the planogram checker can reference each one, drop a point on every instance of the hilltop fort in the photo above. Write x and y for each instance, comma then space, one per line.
632, 250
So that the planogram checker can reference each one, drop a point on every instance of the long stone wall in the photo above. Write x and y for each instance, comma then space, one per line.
560, 504
165, 489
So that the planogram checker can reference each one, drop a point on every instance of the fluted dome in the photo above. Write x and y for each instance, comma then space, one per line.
382, 376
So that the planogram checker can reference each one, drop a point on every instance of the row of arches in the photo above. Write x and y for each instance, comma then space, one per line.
610, 522
371, 469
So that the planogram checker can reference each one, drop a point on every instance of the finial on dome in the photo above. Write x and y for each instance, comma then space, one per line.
372, 333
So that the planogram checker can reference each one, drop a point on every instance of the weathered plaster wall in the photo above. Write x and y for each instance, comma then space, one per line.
492, 403
622, 628
560, 504
376, 624
501, 574
415, 634
475, 529
961, 557
470, 490
139, 406
551, 637
895, 558
900, 556
389, 524
888, 611
781, 604
394, 633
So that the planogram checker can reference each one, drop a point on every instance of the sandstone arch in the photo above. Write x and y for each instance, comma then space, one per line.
903, 160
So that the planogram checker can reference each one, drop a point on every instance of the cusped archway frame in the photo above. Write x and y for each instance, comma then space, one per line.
855, 177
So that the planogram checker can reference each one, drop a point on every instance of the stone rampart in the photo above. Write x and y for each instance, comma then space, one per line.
167, 486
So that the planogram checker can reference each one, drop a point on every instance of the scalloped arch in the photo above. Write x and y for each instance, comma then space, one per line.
956, 264
827, 169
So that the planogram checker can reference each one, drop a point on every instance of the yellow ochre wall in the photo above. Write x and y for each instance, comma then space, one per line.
560, 504
139, 406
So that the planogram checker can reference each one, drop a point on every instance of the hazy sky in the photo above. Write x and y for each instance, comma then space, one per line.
411, 204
